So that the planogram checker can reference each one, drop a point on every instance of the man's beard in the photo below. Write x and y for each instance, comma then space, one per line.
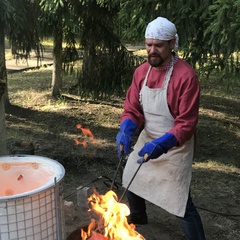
155, 62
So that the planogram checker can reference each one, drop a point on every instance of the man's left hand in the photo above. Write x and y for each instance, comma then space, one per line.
152, 150
157, 147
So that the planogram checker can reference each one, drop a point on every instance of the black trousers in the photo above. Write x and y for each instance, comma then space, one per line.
191, 222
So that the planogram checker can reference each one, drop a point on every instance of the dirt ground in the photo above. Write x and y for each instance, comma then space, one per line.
216, 169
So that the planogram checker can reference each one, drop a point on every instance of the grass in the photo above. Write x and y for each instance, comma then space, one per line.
219, 100
51, 126
31, 89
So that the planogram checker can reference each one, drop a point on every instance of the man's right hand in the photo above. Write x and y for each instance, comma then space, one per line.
124, 136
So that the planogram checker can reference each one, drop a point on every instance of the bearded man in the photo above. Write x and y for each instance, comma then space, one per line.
164, 98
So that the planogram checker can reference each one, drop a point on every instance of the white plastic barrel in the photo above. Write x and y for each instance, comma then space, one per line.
31, 200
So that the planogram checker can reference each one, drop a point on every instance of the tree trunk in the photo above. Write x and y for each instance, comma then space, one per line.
57, 61
3, 70
3, 91
3, 144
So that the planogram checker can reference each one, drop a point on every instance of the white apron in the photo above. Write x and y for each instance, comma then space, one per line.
164, 181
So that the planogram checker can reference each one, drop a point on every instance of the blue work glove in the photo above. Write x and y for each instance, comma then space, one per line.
124, 136
157, 147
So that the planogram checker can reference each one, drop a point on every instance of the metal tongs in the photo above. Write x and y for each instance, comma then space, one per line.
143, 159
118, 166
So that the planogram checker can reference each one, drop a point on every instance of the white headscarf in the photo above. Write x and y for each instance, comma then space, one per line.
162, 29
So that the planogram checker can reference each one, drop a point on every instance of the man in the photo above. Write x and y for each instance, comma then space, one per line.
164, 97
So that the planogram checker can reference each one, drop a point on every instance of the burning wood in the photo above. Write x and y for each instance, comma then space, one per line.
109, 221
97, 236
76, 235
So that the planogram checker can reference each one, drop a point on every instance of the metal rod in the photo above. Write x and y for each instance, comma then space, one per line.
130, 181
144, 158
57, 210
118, 166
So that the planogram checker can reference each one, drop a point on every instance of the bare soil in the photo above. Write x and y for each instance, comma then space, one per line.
51, 127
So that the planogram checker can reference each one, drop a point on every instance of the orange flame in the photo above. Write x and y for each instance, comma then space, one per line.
87, 133
111, 221
81, 143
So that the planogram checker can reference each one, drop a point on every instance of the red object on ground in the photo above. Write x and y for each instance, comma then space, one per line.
97, 236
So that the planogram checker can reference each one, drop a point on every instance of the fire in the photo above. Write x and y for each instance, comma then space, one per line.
77, 142
110, 222
87, 133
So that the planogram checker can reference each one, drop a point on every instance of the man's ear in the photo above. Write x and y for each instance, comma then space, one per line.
172, 43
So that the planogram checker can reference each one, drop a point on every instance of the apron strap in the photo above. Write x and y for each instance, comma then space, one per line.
144, 84
146, 78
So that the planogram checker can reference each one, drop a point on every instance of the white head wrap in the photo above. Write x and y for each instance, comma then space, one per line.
162, 29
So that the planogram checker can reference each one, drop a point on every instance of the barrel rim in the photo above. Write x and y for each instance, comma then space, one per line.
49, 185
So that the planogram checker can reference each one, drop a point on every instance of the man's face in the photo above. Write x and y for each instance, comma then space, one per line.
159, 51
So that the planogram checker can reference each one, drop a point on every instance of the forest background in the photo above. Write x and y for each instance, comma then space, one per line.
94, 48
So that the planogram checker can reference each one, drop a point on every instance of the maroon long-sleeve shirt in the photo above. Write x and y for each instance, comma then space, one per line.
182, 97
